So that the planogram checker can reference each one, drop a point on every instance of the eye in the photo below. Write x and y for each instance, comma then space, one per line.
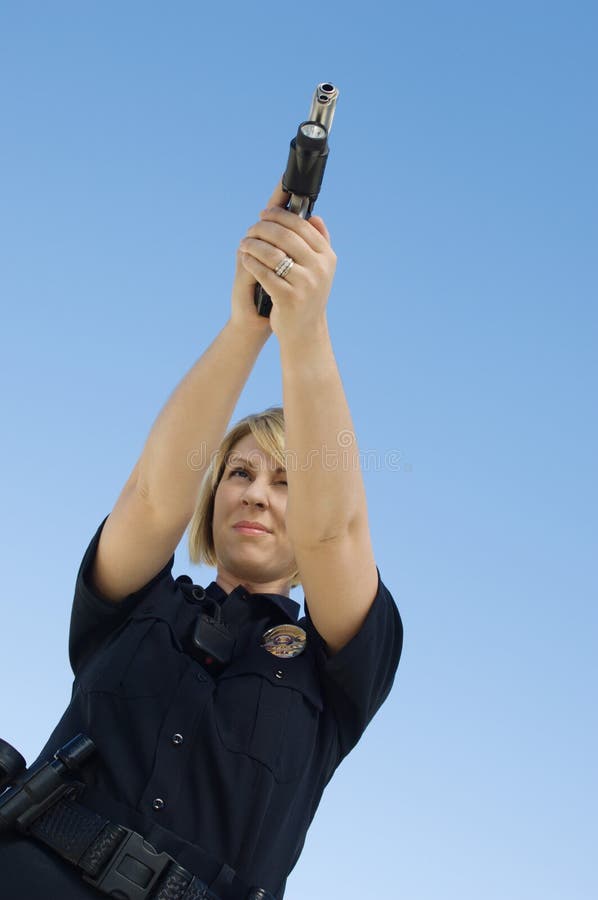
239, 472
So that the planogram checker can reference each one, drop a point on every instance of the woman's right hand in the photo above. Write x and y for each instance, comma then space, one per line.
243, 309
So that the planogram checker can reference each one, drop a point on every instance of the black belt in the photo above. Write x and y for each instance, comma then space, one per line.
114, 858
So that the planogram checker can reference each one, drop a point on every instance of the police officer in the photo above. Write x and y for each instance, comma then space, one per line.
218, 715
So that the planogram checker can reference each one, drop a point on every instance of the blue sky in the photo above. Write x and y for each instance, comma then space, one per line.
139, 142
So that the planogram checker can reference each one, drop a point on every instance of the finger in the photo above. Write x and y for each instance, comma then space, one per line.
318, 223
279, 197
289, 242
268, 254
273, 284
310, 234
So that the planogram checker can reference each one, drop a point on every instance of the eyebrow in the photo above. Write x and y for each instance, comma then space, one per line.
242, 461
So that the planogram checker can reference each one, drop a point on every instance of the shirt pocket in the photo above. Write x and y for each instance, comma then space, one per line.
269, 708
138, 661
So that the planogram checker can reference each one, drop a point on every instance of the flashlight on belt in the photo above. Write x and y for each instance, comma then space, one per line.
26, 793
305, 166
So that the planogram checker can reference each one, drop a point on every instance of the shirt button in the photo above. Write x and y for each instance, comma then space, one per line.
279, 673
177, 739
158, 803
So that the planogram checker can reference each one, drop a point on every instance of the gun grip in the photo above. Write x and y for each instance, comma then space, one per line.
262, 301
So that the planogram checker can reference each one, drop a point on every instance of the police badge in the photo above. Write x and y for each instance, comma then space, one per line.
284, 641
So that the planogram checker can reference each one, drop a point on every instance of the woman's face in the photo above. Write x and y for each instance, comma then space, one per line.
252, 490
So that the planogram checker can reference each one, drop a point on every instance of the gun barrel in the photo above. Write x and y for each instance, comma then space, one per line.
323, 104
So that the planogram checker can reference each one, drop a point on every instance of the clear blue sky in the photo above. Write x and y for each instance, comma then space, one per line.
138, 143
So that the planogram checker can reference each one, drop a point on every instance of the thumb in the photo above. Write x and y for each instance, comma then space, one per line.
319, 225
242, 276
279, 197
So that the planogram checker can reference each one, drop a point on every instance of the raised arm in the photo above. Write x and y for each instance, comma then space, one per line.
158, 500
327, 510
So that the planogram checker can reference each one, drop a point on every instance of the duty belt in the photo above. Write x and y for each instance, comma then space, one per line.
114, 859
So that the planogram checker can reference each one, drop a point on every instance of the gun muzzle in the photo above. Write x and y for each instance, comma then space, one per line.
323, 105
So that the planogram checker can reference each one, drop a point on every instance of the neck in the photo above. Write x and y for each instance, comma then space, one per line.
228, 582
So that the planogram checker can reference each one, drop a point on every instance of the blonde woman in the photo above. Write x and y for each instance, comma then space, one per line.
218, 714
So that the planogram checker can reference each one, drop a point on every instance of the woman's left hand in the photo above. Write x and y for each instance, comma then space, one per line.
299, 299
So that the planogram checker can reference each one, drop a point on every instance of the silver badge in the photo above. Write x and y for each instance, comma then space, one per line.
284, 641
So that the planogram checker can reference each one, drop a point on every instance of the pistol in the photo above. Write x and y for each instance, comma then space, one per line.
303, 176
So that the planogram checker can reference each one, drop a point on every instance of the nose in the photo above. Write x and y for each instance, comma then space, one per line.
255, 494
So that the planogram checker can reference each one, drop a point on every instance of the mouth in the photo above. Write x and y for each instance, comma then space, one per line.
248, 529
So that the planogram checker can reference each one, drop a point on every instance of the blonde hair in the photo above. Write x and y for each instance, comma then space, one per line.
267, 428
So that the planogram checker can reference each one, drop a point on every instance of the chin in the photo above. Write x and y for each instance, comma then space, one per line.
248, 566
249, 570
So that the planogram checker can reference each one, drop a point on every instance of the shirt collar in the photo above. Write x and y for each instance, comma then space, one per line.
288, 606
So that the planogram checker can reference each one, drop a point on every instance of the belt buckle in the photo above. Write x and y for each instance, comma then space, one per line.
133, 871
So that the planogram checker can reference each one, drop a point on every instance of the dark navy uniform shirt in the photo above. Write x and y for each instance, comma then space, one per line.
231, 759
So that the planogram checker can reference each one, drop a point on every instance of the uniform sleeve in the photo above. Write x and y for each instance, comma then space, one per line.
358, 679
93, 618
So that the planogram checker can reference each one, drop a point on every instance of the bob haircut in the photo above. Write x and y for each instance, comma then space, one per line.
267, 428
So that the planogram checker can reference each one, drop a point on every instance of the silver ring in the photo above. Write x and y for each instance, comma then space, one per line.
284, 267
